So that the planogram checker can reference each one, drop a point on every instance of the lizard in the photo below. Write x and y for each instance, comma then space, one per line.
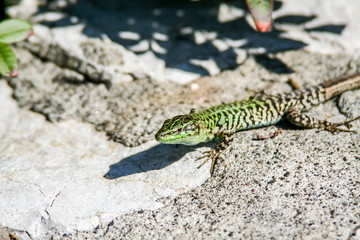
222, 121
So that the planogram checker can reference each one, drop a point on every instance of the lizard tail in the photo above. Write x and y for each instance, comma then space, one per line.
337, 86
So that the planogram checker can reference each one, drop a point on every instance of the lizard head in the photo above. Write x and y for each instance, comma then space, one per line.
182, 129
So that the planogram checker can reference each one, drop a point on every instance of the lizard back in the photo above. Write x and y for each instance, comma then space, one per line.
265, 110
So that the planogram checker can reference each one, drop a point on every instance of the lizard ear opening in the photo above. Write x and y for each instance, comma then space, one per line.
191, 128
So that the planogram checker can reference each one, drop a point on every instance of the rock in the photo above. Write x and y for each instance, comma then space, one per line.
88, 166
96, 59
68, 176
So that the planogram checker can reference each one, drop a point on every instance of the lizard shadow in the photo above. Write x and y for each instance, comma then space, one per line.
155, 158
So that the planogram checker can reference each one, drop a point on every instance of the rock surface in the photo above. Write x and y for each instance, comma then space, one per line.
67, 176
63, 178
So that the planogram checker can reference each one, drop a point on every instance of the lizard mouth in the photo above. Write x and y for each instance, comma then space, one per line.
163, 137
159, 136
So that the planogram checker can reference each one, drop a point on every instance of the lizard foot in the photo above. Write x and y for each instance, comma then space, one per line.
215, 153
335, 127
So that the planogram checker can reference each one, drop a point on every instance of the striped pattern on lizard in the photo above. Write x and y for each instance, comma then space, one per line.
220, 122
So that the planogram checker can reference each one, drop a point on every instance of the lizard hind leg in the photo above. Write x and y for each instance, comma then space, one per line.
302, 120
214, 154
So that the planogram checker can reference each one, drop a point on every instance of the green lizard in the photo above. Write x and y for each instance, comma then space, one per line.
220, 122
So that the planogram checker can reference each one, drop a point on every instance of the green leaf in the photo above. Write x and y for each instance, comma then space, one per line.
14, 30
261, 11
8, 62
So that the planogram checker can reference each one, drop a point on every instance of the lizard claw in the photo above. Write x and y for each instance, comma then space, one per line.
205, 154
335, 127
213, 155
208, 155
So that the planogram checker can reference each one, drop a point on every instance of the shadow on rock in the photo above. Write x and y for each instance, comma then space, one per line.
186, 34
158, 157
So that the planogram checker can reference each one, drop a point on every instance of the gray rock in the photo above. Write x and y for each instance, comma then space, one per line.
67, 176
349, 103
96, 59
62, 179
58, 166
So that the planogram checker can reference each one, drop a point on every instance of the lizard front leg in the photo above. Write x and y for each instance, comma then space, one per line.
215, 153
302, 120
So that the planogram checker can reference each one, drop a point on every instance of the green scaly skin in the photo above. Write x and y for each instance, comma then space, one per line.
221, 121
